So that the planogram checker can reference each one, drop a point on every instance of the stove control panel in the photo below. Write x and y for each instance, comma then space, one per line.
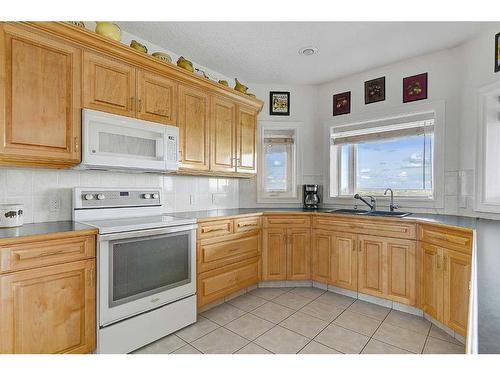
118, 198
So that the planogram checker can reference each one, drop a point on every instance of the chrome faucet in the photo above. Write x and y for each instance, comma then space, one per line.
372, 204
392, 206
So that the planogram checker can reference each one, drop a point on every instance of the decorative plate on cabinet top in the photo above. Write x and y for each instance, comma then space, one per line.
77, 23
162, 56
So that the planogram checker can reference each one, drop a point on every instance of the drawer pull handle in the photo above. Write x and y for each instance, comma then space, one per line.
233, 249
207, 230
29, 255
241, 225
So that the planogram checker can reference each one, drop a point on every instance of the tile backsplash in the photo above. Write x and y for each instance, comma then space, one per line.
47, 194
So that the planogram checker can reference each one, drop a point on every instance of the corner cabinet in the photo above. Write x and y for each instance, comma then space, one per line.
40, 78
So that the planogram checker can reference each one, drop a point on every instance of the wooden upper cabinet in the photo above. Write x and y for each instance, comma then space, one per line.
49, 309
246, 140
40, 79
399, 270
298, 254
274, 254
156, 98
371, 265
109, 85
457, 271
322, 249
344, 261
431, 290
222, 135
193, 125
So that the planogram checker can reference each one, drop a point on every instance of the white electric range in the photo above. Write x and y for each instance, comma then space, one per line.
146, 266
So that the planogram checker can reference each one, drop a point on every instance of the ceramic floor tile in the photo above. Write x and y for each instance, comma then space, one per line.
370, 309
253, 349
400, 337
342, 339
379, 347
268, 293
165, 345
304, 324
249, 326
187, 349
292, 300
223, 314
311, 293
247, 302
438, 333
408, 321
220, 341
335, 299
316, 348
357, 322
196, 330
280, 340
437, 346
273, 312
323, 311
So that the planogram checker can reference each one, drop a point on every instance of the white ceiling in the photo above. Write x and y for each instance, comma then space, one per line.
267, 52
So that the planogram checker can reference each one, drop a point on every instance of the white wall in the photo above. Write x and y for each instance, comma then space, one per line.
302, 109
38, 189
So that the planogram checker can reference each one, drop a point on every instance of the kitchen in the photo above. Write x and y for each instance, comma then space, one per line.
151, 204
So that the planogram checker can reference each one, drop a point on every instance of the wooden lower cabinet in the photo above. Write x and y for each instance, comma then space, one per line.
216, 284
371, 265
322, 249
344, 261
298, 254
49, 309
431, 290
274, 253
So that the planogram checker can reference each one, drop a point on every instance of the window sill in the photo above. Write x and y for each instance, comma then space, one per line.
402, 202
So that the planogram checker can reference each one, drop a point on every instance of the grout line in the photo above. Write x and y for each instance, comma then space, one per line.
426, 338
373, 334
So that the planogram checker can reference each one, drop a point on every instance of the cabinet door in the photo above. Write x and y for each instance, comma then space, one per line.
274, 254
222, 135
457, 271
246, 142
400, 271
109, 85
432, 280
193, 125
299, 254
344, 261
40, 79
49, 309
156, 98
371, 265
322, 249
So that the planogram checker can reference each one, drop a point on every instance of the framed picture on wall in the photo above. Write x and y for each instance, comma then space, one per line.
375, 90
342, 103
279, 103
415, 88
497, 52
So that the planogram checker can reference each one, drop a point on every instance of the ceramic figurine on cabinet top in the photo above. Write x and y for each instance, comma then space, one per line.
162, 56
109, 30
240, 87
185, 64
138, 46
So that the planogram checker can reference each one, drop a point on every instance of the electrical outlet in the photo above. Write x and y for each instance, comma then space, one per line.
54, 203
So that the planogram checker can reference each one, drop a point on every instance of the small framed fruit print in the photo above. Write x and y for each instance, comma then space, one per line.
342, 103
415, 88
497, 52
375, 90
279, 103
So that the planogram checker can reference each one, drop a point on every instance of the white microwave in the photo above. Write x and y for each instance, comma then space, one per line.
113, 142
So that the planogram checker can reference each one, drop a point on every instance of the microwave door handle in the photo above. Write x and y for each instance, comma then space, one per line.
146, 232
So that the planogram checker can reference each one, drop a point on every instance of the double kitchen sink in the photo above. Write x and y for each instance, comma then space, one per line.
353, 211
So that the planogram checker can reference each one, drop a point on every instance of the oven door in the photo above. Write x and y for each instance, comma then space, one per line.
141, 270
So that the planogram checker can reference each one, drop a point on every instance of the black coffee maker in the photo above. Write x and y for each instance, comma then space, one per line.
311, 197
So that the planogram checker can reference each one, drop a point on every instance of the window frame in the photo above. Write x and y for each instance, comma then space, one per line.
264, 197
333, 168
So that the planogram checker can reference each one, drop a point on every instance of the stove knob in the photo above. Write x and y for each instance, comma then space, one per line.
156, 196
147, 196
100, 196
88, 197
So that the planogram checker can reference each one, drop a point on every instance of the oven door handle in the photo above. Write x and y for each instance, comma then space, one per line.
146, 232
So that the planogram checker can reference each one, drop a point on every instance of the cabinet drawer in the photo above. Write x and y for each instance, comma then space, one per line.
215, 228
460, 240
301, 221
44, 253
376, 227
214, 254
246, 224
216, 284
